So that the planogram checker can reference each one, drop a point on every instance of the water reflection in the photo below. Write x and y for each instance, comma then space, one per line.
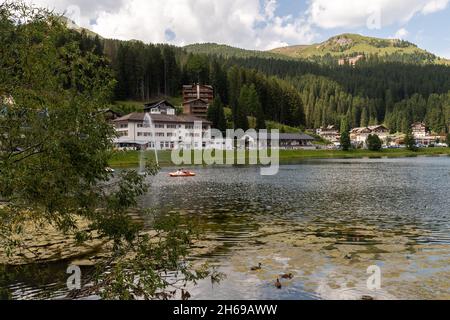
324, 221
327, 221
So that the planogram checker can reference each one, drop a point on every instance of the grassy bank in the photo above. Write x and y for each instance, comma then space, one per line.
131, 158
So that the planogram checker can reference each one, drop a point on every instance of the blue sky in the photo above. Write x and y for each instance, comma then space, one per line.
262, 24
428, 31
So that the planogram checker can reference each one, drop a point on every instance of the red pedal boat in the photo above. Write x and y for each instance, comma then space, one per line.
182, 174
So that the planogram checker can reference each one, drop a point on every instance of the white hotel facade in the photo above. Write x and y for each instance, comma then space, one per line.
160, 127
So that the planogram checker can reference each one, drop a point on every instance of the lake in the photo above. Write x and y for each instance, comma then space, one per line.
324, 221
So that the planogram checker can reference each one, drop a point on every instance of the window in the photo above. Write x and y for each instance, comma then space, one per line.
170, 134
171, 126
123, 133
189, 126
144, 134
161, 145
160, 134
140, 125
159, 126
123, 125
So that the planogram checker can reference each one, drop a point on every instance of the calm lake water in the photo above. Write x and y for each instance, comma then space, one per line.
323, 221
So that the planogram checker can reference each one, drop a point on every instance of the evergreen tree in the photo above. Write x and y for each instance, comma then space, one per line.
197, 68
410, 142
240, 116
260, 119
216, 115
219, 81
345, 141
374, 142
344, 127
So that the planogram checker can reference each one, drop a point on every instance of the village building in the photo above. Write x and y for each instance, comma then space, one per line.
419, 130
286, 141
196, 107
358, 136
160, 107
198, 91
162, 130
196, 99
422, 135
330, 133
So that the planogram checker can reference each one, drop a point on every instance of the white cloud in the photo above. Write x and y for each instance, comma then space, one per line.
356, 13
249, 24
252, 24
401, 34
434, 6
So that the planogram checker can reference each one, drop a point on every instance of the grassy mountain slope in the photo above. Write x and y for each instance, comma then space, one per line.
349, 45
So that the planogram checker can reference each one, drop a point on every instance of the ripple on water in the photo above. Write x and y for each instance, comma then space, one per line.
324, 221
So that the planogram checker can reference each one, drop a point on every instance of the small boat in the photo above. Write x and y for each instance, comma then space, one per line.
181, 174
110, 170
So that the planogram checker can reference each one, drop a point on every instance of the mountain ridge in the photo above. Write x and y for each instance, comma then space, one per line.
339, 47
332, 50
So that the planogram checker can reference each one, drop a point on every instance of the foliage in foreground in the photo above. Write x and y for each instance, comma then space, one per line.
55, 145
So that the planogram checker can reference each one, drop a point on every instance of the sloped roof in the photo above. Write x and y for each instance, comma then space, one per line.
188, 86
159, 103
380, 126
194, 100
361, 130
139, 117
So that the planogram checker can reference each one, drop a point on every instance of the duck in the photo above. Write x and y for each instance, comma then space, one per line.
185, 295
278, 284
256, 268
287, 276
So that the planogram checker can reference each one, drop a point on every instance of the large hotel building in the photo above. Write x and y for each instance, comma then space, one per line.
160, 125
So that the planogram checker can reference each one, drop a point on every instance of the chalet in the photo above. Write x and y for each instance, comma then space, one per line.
197, 91
419, 130
360, 135
422, 135
162, 130
330, 133
196, 107
160, 107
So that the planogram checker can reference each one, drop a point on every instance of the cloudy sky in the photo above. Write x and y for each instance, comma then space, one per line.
261, 24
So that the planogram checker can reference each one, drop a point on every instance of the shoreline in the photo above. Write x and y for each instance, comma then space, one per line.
128, 159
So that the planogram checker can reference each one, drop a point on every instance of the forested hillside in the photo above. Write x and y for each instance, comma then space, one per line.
225, 51
294, 92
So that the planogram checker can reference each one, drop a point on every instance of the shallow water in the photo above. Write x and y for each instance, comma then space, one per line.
323, 221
